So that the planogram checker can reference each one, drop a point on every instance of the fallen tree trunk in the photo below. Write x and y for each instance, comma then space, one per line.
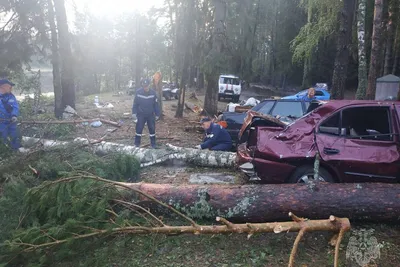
260, 203
115, 124
146, 157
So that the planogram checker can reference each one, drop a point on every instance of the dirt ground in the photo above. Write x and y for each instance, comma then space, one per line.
198, 251
168, 130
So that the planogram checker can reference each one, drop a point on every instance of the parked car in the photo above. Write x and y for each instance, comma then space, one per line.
321, 93
286, 110
229, 86
358, 141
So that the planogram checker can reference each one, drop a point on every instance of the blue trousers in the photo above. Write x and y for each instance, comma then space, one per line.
9, 135
222, 147
151, 124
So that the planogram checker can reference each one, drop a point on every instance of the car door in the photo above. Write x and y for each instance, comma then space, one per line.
358, 144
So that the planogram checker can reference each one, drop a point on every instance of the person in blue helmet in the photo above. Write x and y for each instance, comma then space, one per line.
216, 137
9, 112
145, 109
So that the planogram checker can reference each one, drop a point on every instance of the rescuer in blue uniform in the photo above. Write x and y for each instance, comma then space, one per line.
145, 110
9, 112
217, 138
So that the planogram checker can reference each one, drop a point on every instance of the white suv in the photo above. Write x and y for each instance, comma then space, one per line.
229, 87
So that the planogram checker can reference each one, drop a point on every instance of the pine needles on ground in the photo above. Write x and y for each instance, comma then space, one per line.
35, 210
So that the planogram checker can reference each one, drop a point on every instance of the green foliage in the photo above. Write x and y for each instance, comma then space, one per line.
322, 23
59, 163
27, 81
36, 208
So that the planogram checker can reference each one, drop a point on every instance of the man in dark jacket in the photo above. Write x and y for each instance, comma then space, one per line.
9, 112
217, 138
145, 110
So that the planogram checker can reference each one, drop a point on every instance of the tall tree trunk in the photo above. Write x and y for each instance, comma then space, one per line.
67, 71
362, 60
307, 61
138, 54
186, 70
55, 60
375, 50
215, 58
342, 49
306, 73
396, 50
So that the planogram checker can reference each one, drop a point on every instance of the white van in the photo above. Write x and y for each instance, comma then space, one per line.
229, 87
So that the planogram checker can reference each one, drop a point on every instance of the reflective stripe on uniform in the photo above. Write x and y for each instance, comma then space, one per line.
146, 97
152, 135
138, 134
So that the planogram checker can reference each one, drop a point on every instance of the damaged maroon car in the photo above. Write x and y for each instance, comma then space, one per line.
358, 141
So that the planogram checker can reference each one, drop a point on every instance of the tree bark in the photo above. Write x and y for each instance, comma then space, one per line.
362, 60
396, 50
389, 43
259, 203
138, 54
147, 157
342, 49
375, 50
187, 27
67, 73
55, 60
215, 59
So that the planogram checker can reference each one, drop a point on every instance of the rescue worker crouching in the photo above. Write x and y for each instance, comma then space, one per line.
217, 138
145, 109
9, 112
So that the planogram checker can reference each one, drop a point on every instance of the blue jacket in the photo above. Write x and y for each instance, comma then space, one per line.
146, 103
216, 135
306, 98
8, 107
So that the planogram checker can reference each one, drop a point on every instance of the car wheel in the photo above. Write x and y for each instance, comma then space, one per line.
176, 97
306, 173
219, 98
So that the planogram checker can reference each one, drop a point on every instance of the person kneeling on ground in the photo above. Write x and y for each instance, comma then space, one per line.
217, 138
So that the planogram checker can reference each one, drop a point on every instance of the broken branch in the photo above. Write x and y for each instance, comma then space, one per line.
116, 124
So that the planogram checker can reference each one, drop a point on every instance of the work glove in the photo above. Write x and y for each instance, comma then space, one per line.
198, 147
14, 119
134, 117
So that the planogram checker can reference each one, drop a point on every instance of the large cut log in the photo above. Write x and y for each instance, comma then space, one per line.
147, 157
260, 203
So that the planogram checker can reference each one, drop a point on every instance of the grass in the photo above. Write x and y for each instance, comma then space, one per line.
230, 250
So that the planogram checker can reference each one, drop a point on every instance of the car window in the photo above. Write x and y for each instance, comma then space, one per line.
331, 125
265, 107
372, 123
319, 93
226, 80
288, 109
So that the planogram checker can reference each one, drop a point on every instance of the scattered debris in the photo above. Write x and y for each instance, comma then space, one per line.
96, 124
69, 112
106, 105
83, 122
231, 107
252, 102
193, 107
